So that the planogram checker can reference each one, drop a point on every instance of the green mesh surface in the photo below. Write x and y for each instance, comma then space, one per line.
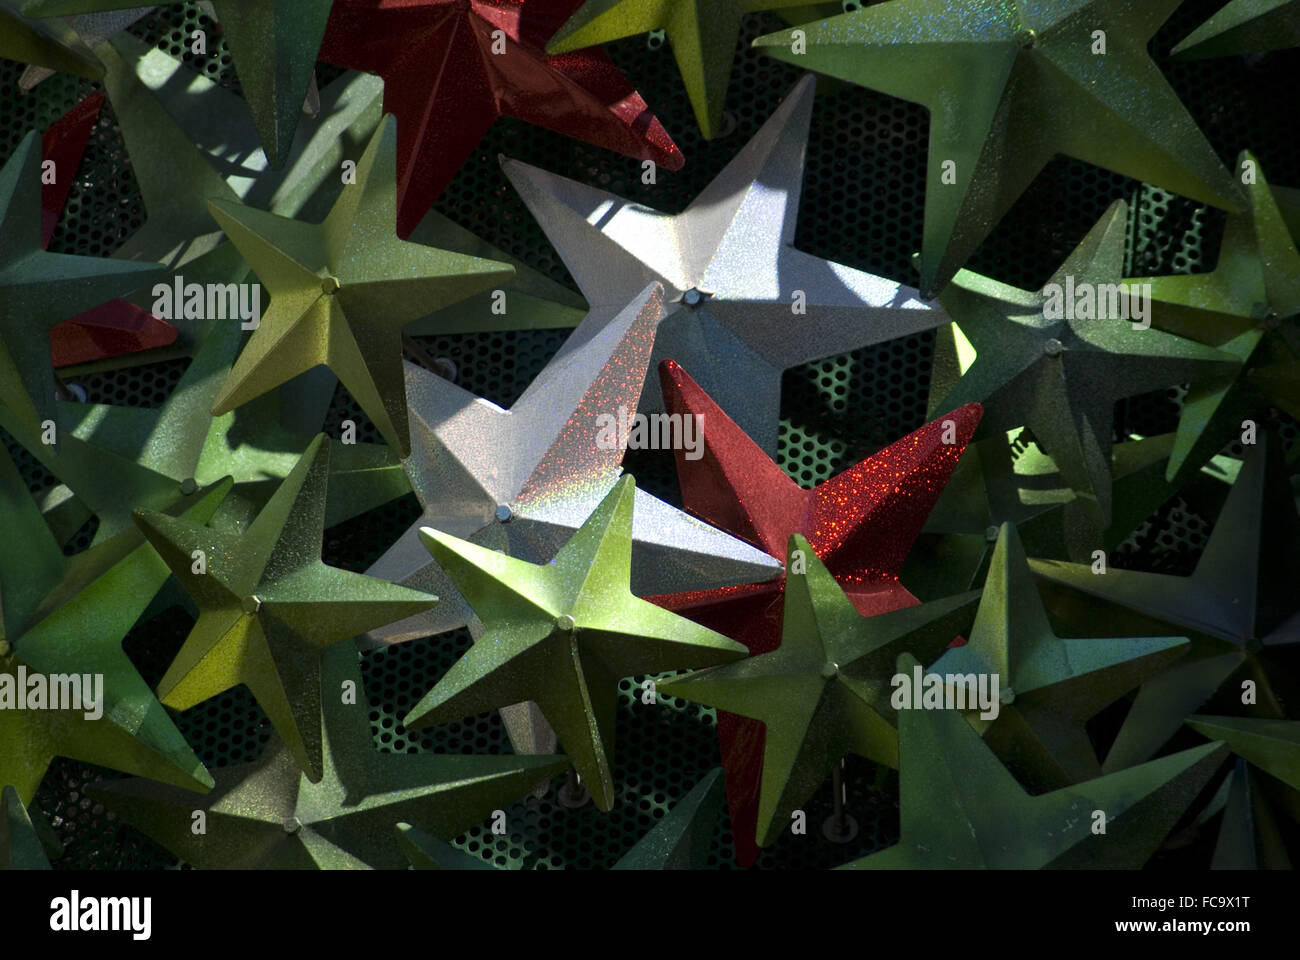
862, 204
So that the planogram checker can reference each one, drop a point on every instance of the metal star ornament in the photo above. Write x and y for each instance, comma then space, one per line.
1239, 602
860, 523
1244, 26
746, 305
1049, 686
681, 840
268, 606
1248, 307
1010, 86
51, 43
961, 809
61, 615
452, 67
39, 289
1271, 745
341, 291
562, 635
825, 691
273, 46
702, 35
20, 847
269, 815
524, 480
1043, 362
1249, 838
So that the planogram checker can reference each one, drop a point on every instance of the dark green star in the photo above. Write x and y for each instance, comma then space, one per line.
52, 44
20, 847
268, 814
1244, 26
562, 635
1240, 600
273, 45
681, 840
268, 606
1009, 86
1249, 307
703, 40
39, 289
961, 809
1049, 686
1035, 366
341, 291
825, 692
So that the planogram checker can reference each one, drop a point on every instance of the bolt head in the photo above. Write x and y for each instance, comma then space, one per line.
991, 534
830, 669
565, 623
330, 285
692, 297
1053, 347
1007, 696
1026, 37
251, 603
188, 486
504, 513
292, 825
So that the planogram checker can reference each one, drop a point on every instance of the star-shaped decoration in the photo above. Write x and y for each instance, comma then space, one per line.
1244, 26
119, 459
268, 606
825, 691
860, 523
50, 43
452, 67
1239, 602
39, 289
273, 46
1061, 376
1010, 86
269, 815
427, 852
961, 809
61, 615
680, 841
702, 35
63, 144
1049, 686
20, 846
747, 306
562, 635
524, 480
92, 29
1271, 745
341, 291
1248, 307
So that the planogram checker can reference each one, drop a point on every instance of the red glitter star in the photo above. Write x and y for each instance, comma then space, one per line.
861, 524
446, 85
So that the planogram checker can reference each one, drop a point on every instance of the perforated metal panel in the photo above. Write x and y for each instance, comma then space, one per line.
862, 205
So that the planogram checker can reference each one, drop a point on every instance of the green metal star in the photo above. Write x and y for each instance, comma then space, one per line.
427, 852
703, 40
52, 44
825, 692
961, 809
61, 615
268, 606
20, 847
341, 291
119, 459
562, 635
1271, 745
268, 815
273, 45
1249, 838
1049, 686
1240, 600
1244, 26
39, 289
1249, 307
1062, 377
1010, 86
681, 840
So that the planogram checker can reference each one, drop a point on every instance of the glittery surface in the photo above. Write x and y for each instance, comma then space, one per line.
268, 606
93, 29
69, 616
342, 291
825, 691
1248, 307
446, 86
562, 634
63, 144
1244, 26
267, 814
47, 43
861, 523
1061, 377
961, 809
39, 289
765, 306
541, 461
702, 34
1010, 86
1049, 686
680, 841
1240, 602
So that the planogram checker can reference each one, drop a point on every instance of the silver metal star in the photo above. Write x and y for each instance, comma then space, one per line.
729, 266
94, 29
